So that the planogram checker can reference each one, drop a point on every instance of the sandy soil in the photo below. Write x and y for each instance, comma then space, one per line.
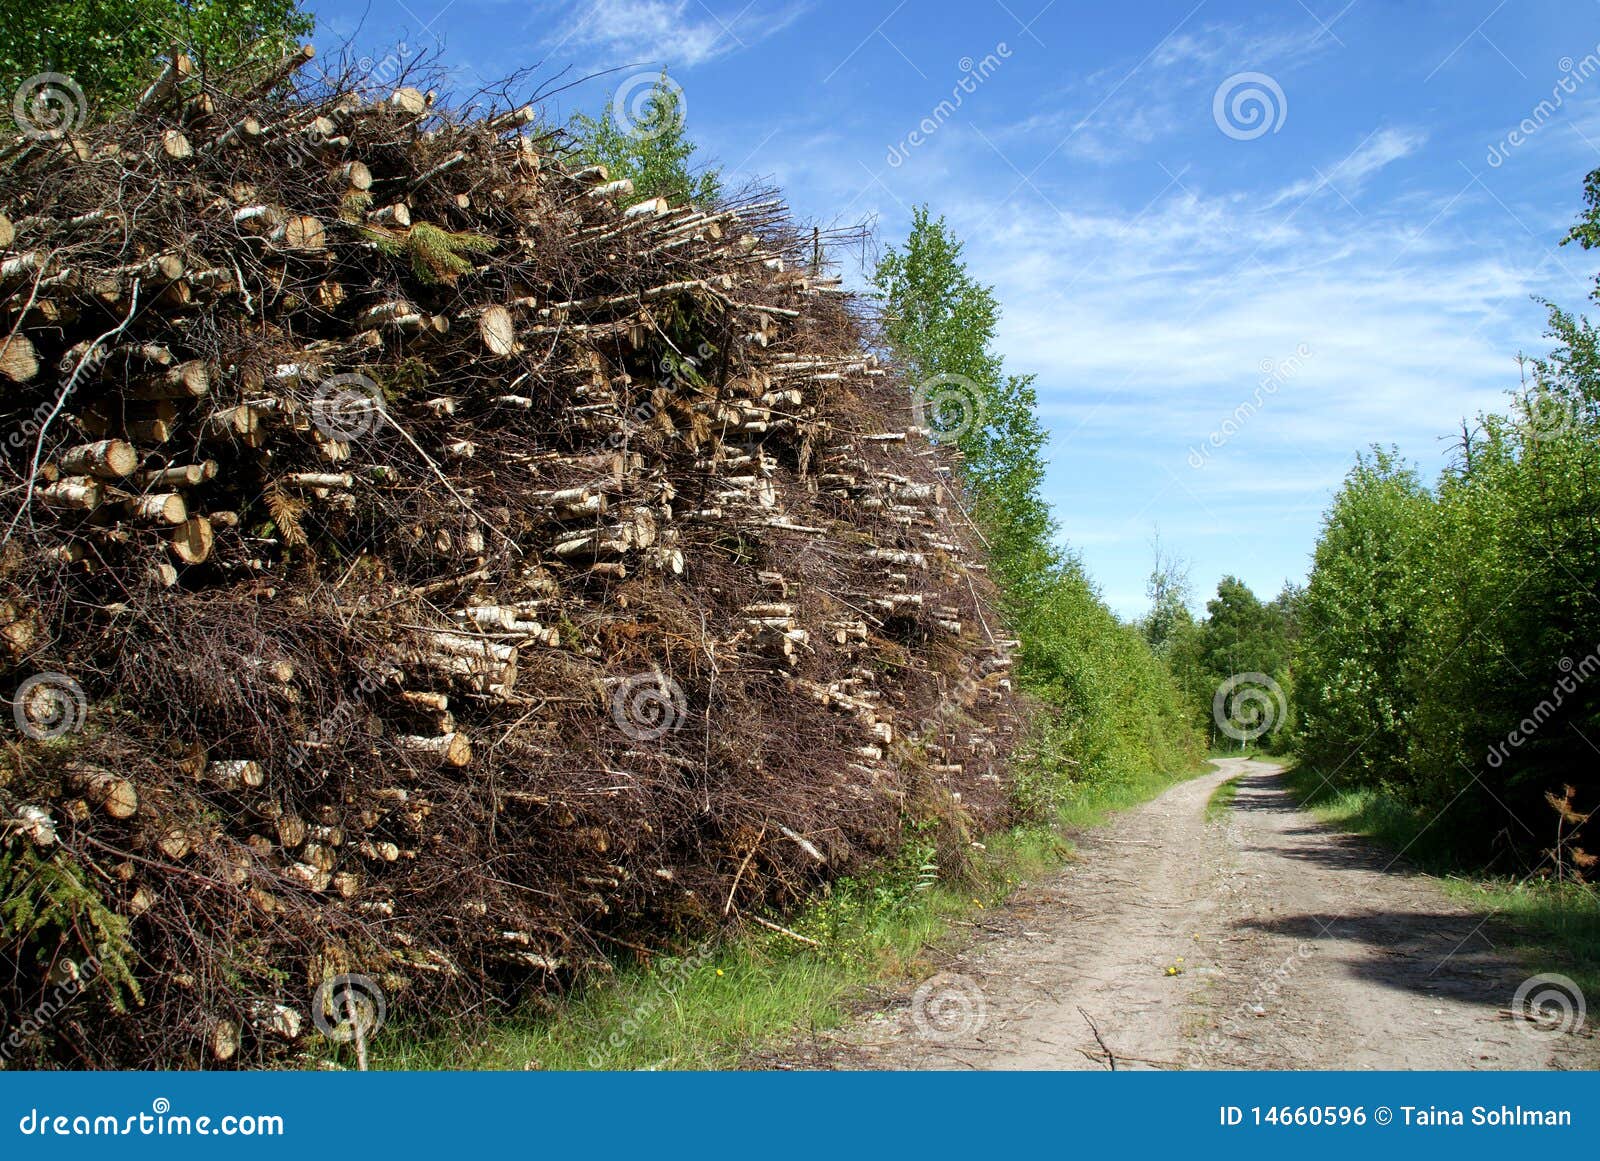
1260, 939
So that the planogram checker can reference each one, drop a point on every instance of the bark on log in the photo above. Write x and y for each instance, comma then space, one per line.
111, 792
181, 476
398, 214
453, 749
158, 508
177, 69
176, 145
75, 493
353, 175
108, 459
409, 100
301, 232
189, 380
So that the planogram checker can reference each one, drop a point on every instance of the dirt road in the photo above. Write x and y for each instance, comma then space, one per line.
1259, 939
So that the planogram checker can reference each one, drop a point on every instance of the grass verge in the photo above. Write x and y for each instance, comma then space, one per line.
716, 1004
1554, 927
1221, 799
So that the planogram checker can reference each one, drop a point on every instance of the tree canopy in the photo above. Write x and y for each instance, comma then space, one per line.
649, 146
109, 48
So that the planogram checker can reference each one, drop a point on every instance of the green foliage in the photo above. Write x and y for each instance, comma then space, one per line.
440, 256
49, 913
1357, 612
1168, 590
1113, 710
111, 47
1450, 650
1239, 635
653, 152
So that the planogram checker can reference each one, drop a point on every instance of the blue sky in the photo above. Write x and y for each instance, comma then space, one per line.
1235, 242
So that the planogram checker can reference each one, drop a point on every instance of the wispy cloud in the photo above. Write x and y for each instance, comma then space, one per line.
683, 33
1347, 177
1112, 115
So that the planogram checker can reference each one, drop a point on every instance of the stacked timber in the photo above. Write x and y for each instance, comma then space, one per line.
425, 557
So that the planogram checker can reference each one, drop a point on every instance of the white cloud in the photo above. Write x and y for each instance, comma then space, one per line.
681, 33
1347, 177
1111, 114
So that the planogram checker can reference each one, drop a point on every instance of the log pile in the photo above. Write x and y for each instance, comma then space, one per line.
466, 567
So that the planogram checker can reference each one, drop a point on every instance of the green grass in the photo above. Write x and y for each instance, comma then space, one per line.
713, 1006
1221, 799
1090, 804
1554, 927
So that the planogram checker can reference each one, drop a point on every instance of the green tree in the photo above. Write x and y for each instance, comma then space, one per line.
940, 323
1240, 636
110, 48
1114, 709
653, 151
1359, 615
1169, 591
